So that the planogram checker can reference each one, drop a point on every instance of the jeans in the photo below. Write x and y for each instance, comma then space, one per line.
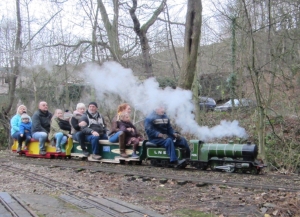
26, 137
80, 137
94, 140
60, 139
115, 138
41, 137
169, 146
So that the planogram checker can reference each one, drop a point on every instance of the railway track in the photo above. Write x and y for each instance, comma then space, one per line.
188, 176
11, 205
93, 205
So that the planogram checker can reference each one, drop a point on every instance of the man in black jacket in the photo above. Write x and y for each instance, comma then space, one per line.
41, 120
94, 129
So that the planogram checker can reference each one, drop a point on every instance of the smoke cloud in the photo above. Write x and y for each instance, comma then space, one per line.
145, 96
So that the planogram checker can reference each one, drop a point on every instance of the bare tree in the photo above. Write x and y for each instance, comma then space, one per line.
141, 31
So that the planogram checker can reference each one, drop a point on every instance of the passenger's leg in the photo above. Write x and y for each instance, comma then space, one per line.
41, 137
80, 137
115, 138
63, 143
94, 140
122, 145
27, 141
58, 137
184, 144
169, 146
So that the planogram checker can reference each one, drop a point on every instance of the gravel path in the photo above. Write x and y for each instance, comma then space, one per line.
170, 198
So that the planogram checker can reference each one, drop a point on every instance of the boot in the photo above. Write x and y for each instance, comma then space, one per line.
122, 145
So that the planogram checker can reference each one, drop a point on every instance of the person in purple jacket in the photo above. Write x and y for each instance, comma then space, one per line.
25, 131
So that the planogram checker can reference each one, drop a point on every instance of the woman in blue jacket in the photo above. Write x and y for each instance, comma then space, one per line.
15, 122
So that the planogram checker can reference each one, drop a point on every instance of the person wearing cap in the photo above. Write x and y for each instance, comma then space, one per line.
25, 131
95, 128
41, 121
16, 121
161, 133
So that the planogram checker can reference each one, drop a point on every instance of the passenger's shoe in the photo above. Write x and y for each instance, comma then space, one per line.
42, 152
18, 149
96, 157
58, 150
135, 156
25, 148
124, 155
180, 163
85, 153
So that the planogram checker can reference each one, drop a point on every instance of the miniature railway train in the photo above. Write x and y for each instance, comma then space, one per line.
240, 158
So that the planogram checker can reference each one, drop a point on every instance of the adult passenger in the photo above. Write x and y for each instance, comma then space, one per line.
117, 135
95, 128
78, 135
41, 121
161, 133
60, 130
15, 123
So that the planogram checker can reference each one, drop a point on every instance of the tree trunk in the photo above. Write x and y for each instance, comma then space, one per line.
191, 43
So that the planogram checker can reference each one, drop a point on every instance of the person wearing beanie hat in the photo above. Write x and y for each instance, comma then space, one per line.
93, 103
94, 129
25, 131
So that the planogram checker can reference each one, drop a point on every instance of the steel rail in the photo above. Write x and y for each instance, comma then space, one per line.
50, 183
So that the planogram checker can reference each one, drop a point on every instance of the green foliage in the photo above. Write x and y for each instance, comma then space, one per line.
166, 82
75, 92
282, 154
3, 138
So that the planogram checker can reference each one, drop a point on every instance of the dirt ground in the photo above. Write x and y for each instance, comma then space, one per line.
171, 198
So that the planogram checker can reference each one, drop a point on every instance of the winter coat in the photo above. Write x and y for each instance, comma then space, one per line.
41, 122
156, 124
114, 127
15, 122
75, 121
25, 127
123, 125
55, 128
96, 123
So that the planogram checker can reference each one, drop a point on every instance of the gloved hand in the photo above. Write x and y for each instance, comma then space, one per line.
164, 136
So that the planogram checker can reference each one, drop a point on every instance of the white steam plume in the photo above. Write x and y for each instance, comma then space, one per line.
145, 96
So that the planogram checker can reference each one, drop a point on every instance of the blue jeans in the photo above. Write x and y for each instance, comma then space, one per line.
26, 137
41, 137
115, 138
80, 137
60, 139
169, 146
94, 140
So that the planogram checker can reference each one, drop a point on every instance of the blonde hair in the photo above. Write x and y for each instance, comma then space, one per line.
56, 111
80, 105
122, 115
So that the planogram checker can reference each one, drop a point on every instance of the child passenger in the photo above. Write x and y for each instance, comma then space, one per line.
25, 131
132, 137
59, 130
